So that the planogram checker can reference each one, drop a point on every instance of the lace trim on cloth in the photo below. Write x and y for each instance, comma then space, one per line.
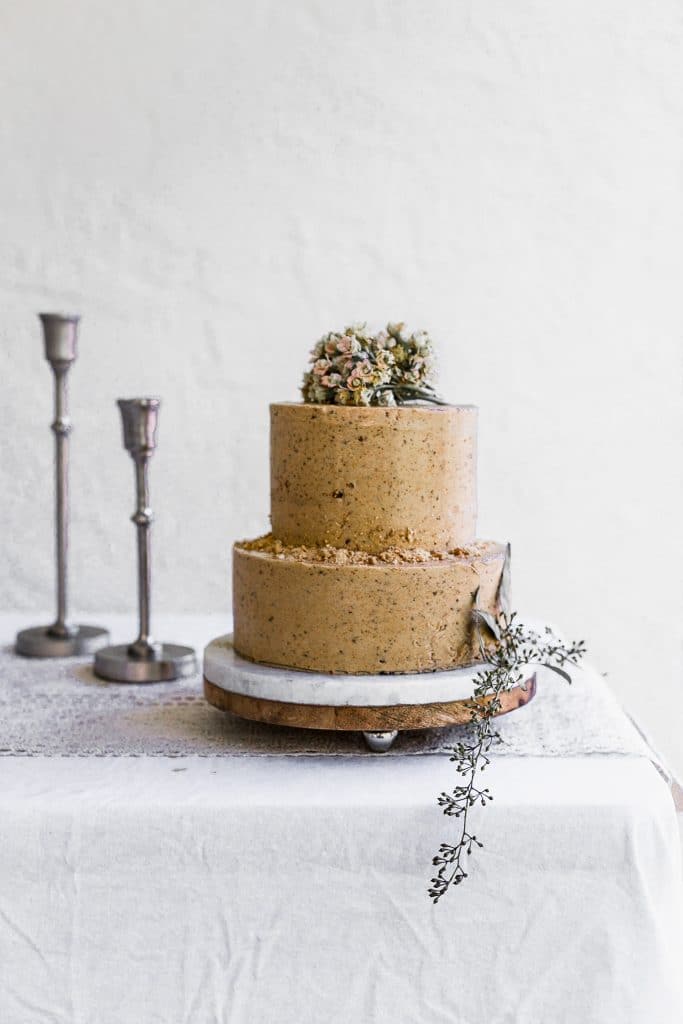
60, 708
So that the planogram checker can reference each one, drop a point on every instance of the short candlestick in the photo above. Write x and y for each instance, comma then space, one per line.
145, 660
61, 640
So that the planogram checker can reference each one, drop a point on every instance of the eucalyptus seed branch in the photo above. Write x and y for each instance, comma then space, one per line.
512, 649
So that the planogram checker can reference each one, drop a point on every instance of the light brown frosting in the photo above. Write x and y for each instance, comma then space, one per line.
372, 563
374, 478
362, 618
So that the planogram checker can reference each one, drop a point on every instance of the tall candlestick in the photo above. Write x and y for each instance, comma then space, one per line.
61, 640
144, 660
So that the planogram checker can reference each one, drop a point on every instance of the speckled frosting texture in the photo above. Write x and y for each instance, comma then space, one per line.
374, 478
358, 618
372, 563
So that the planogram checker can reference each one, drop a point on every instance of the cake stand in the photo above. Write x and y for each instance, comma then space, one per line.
378, 706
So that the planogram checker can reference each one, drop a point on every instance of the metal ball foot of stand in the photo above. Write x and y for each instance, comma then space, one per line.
380, 742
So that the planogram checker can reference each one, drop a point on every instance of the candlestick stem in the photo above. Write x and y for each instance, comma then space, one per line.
144, 646
61, 427
145, 660
60, 640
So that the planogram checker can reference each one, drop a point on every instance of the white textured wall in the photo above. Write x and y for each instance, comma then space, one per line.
213, 184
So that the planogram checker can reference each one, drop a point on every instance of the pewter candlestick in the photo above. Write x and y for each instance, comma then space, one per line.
145, 660
60, 640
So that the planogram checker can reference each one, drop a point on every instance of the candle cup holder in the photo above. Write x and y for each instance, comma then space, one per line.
145, 660
61, 639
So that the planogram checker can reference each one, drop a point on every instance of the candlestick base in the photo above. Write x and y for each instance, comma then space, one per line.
170, 662
40, 642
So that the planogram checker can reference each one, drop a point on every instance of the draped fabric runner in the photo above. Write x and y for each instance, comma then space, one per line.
60, 708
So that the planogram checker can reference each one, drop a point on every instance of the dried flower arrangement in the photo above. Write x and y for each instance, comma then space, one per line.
355, 367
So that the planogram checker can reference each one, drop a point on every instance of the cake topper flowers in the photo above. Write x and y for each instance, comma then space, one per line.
355, 367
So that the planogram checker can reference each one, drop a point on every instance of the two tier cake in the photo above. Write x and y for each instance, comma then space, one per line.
372, 565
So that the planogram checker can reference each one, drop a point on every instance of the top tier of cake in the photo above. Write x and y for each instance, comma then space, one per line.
372, 478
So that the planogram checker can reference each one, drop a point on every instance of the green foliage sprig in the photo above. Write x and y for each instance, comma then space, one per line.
511, 648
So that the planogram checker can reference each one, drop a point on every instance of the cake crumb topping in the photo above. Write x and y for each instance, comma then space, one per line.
270, 545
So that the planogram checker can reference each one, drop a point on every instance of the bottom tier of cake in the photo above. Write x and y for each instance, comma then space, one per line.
329, 610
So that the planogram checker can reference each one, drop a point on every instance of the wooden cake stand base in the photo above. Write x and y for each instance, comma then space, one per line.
377, 706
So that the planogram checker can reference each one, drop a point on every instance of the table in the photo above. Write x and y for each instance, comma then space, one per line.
209, 889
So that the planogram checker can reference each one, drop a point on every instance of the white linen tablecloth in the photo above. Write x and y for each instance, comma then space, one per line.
213, 889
